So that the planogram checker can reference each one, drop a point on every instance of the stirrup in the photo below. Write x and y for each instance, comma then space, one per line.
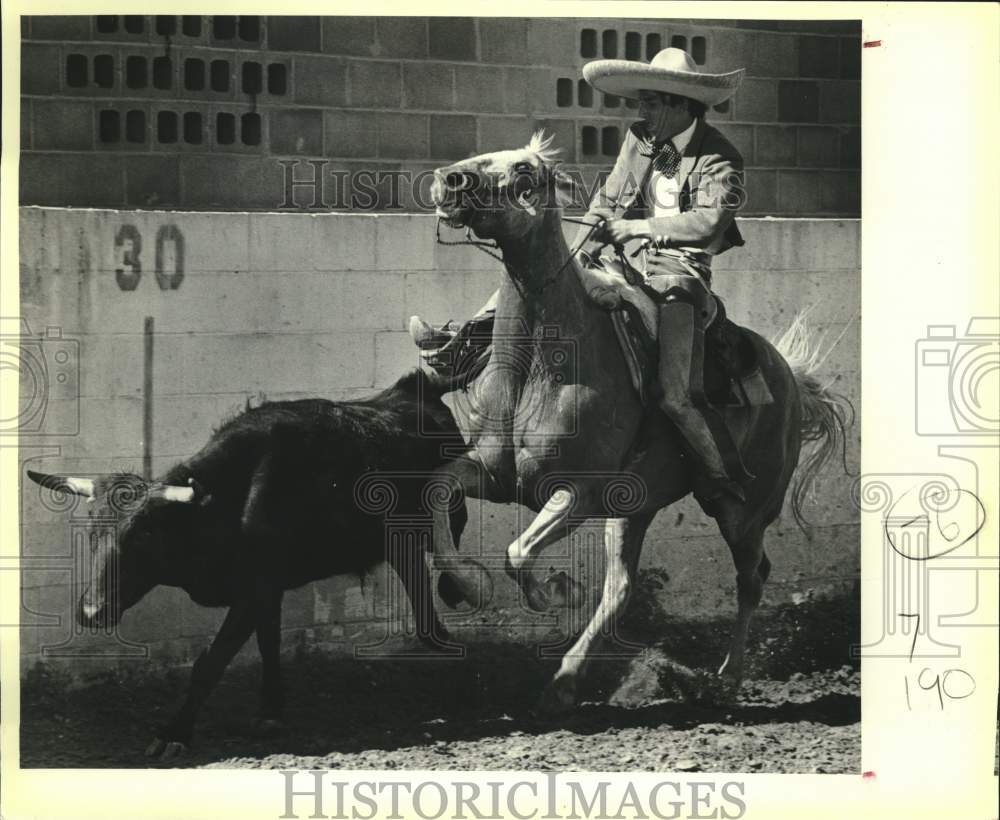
426, 336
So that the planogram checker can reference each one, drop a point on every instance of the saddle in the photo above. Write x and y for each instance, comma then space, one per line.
732, 376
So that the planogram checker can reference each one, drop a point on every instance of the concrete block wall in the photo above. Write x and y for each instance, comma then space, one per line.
295, 305
199, 112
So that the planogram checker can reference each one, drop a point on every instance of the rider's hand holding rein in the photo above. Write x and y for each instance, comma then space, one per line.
618, 232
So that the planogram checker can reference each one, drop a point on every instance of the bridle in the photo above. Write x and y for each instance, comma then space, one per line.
492, 248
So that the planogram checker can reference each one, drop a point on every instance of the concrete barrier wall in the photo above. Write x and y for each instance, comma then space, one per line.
388, 94
293, 305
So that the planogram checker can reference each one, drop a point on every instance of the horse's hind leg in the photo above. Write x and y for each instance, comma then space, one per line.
752, 569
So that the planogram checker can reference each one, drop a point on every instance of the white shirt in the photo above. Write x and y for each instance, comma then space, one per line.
665, 191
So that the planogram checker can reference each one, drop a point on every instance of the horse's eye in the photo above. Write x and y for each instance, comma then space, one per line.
523, 168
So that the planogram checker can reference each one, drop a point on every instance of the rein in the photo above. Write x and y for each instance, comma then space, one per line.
491, 248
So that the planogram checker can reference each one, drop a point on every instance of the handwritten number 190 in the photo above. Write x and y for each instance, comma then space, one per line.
960, 687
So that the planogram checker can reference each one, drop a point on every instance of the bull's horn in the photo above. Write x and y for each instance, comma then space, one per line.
64, 483
172, 492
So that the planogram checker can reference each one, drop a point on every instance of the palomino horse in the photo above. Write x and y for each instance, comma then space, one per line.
554, 431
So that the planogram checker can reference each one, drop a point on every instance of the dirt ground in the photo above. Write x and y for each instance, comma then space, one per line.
799, 710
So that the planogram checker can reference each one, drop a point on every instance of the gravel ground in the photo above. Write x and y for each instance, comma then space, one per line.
800, 710
818, 731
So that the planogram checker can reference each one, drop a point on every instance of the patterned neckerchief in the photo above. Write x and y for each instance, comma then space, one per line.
666, 157
668, 153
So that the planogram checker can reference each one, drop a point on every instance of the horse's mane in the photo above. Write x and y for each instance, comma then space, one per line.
541, 146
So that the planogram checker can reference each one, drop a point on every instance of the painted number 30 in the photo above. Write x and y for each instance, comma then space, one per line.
169, 270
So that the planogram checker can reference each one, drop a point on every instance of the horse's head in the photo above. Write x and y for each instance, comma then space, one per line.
499, 195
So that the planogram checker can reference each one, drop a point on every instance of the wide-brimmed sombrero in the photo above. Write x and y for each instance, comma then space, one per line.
672, 71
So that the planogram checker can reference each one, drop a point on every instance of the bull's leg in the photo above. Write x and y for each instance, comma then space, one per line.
622, 547
173, 738
272, 700
545, 529
411, 567
462, 579
752, 569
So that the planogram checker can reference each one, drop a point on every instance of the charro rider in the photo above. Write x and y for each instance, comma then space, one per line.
676, 187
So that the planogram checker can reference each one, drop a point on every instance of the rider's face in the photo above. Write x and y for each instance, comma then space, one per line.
651, 107
661, 120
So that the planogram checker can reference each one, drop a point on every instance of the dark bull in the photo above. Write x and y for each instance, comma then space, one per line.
283, 494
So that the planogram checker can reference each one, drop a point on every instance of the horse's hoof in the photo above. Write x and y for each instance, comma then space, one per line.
562, 590
726, 689
558, 698
713, 690
536, 598
535, 594
166, 749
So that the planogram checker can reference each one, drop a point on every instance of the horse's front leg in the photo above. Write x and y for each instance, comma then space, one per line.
547, 528
622, 546
462, 578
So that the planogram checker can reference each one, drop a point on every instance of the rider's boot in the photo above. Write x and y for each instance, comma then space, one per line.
427, 337
719, 471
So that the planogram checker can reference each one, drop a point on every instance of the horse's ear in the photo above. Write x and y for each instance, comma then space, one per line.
566, 188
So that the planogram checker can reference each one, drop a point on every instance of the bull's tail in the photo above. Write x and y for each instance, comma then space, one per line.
826, 414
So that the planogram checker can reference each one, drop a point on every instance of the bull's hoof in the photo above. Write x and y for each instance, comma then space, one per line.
558, 698
166, 749
472, 585
268, 727
449, 590
439, 643
437, 639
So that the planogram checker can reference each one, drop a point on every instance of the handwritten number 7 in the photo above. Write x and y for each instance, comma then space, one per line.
916, 631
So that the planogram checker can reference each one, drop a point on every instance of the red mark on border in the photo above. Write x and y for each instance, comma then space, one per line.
872, 44
868, 776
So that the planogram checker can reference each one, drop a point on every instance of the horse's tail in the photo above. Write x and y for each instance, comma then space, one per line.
826, 414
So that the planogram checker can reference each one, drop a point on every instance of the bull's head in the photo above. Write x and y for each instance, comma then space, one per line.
500, 195
132, 520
